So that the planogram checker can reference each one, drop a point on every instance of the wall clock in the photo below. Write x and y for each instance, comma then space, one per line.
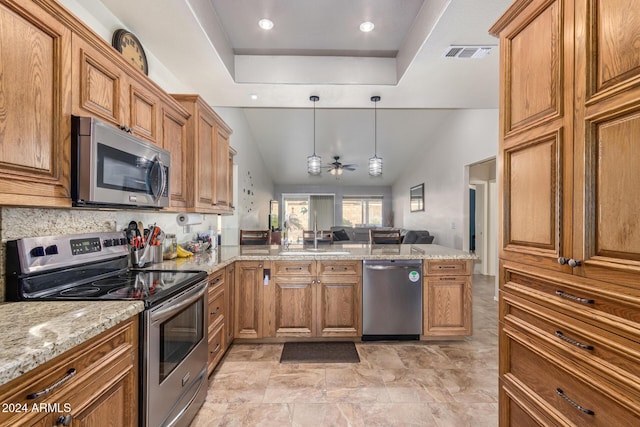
130, 47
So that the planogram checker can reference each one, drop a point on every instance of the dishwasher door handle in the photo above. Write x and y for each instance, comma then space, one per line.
390, 267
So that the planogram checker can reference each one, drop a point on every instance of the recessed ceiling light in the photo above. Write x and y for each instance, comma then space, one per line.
265, 24
254, 96
367, 26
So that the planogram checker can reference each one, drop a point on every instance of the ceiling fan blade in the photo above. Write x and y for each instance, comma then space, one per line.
349, 168
351, 165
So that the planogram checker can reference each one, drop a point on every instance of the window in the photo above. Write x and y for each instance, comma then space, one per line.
362, 211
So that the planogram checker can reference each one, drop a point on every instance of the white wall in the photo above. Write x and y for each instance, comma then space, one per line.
254, 184
465, 137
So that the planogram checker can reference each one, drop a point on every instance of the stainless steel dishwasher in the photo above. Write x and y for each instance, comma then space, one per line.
391, 300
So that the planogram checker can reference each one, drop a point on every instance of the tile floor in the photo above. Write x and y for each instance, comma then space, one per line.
444, 384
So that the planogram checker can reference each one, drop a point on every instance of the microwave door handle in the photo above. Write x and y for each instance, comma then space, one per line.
163, 177
161, 182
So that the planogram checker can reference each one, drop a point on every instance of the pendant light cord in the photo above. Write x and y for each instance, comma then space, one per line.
375, 129
314, 127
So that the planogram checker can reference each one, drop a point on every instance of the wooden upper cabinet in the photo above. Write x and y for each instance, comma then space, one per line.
533, 86
144, 110
208, 136
222, 167
612, 54
174, 140
99, 85
35, 106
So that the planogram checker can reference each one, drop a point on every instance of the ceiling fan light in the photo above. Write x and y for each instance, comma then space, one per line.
375, 166
313, 164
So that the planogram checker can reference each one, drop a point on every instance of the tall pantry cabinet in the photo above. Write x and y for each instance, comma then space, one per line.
569, 166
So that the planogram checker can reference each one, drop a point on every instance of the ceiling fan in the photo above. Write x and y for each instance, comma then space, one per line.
336, 168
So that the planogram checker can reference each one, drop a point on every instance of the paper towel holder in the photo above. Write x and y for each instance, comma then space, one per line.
186, 220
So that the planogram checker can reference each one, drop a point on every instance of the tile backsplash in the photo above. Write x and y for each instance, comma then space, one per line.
16, 223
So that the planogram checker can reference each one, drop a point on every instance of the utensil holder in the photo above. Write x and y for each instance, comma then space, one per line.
155, 254
136, 254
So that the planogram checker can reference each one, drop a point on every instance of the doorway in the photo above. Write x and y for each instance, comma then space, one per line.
482, 232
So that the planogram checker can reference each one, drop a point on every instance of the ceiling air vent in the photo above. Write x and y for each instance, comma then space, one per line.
467, 51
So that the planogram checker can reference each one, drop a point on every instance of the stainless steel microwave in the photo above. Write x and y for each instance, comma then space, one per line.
110, 167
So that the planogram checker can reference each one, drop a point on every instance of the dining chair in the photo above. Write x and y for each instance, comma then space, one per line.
381, 237
254, 237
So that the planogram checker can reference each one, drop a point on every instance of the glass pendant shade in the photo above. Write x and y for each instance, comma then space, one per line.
375, 162
336, 171
313, 164
375, 166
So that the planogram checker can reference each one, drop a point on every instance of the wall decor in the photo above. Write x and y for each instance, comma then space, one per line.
416, 198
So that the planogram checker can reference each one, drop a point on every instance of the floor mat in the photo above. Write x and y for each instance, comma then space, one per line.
319, 352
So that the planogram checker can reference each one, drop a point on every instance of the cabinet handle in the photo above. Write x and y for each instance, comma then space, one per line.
447, 267
573, 403
64, 420
447, 278
293, 268
215, 281
339, 269
575, 298
215, 350
213, 313
573, 263
70, 373
563, 337
259, 265
126, 128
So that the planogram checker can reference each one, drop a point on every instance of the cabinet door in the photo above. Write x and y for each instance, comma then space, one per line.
447, 302
174, 140
607, 166
294, 306
249, 296
339, 306
35, 98
222, 168
100, 85
205, 157
537, 136
144, 111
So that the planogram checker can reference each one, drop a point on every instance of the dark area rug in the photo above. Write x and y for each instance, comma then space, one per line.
319, 352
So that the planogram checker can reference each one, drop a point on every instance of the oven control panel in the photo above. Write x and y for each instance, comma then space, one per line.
85, 246
51, 252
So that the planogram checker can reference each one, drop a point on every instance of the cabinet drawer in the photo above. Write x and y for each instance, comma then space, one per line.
340, 268
448, 267
294, 268
69, 374
609, 355
216, 282
551, 381
215, 348
216, 309
608, 306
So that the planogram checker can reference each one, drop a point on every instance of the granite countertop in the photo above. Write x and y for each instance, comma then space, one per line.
34, 332
224, 255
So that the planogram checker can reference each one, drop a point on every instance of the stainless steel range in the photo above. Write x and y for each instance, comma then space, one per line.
173, 332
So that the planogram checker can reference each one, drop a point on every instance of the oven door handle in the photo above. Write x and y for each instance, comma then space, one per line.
172, 309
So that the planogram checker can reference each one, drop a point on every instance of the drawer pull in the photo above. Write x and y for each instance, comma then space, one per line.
64, 420
213, 313
215, 282
339, 268
447, 267
573, 403
575, 298
70, 373
563, 337
293, 268
215, 350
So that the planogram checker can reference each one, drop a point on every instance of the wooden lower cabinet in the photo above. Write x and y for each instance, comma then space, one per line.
229, 294
102, 391
447, 301
249, 305
315, 299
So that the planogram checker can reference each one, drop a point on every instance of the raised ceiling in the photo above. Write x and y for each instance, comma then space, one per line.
315, 48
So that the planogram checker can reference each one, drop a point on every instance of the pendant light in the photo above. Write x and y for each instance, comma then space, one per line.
314, 161
375, 162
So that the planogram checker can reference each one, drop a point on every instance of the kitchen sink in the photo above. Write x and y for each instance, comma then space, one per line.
312, 252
